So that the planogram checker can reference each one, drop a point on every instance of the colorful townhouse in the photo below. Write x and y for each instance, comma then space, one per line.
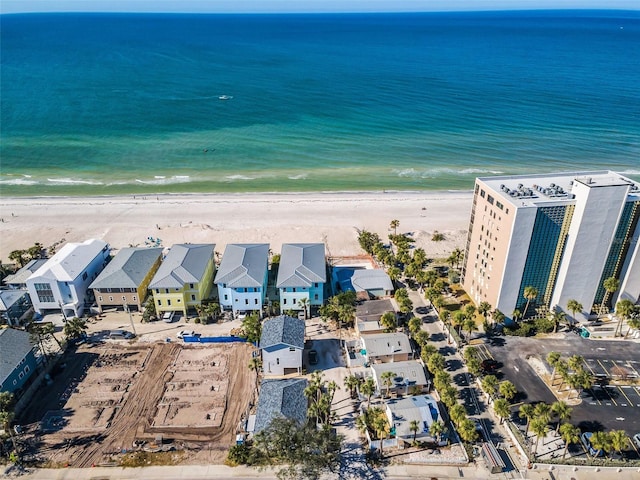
62, 282
184, 278
17, 362
242, 277
302, 274
124, 283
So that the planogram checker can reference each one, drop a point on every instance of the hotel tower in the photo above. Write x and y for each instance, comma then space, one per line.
563, 234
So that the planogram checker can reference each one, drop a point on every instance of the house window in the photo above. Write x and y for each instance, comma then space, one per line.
255, 300
168, 302
124, 299
110, 298
292, 349
226, 297
159, 303
193, 297
191, 286
157, 290
27, 369
108, 290
179, 300
99, 299
166, 290
315, 297
277, 361
246, 301
84, 276
284, 301
315, 284
134, 298
21, 375
293, 289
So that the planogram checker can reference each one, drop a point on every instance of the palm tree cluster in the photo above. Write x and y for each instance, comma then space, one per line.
207, 311
22, 257
374, 420
402, 299
340, 309
320, 395
571, 372
455, 258
626, 310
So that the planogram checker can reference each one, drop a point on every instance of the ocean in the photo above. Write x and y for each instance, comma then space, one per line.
107, 104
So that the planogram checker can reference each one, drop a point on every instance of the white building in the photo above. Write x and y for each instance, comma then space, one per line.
281, 344
423, 409
242, 277
302, 274
62, 283
563, 234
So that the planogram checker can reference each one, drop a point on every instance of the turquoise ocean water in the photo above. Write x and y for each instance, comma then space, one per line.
115, 104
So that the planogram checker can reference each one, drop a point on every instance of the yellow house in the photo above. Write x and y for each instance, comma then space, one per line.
184, 279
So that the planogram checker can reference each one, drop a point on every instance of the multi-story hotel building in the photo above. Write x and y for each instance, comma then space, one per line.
563, 234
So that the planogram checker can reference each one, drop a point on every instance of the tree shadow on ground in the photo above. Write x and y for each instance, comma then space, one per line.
354, 464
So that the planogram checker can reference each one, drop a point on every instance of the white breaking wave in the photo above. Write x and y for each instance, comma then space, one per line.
71, 181
239, 177
18, 181
162, 180
630, 172
412, 172
301, 176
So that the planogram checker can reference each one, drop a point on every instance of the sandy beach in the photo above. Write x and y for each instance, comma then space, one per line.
333, 218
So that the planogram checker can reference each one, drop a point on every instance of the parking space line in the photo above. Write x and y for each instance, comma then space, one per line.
593, 372
633, 368
595, 397
625, 396
603, 368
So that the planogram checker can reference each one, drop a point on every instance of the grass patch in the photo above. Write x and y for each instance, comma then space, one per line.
146, 459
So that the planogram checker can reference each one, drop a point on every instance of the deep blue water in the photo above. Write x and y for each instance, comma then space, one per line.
108, 103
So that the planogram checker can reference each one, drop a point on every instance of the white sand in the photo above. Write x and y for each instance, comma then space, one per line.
333, 218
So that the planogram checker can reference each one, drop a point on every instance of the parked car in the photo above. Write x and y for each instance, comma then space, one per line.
186, 333
168, 317
636, 439
120, 335
586, 442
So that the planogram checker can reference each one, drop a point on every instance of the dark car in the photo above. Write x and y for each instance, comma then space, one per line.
489, 365
313, 357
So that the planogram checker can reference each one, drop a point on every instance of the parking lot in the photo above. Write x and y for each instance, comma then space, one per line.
607, 406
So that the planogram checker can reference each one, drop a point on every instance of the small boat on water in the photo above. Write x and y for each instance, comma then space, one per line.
225, 97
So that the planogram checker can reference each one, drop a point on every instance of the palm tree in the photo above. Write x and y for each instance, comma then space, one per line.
415, 324
507, 390
368, 388
530, 293
570, 434
394, 273
390, 322
624, 309
457, 413
618, 440
395, 224
483, 309
74, 328
574, 307
539, 428
352, 382
600, 441
552, 359
448, 395
255, 364
387, 380
526, 411
490, 385
436, 429
501, 407
303, 303
562, 411
470, 326
382, 429
633, 324
557, 318
610, 285
414, 427
516, 315
458, 320
457, 254
542, 411
467, 430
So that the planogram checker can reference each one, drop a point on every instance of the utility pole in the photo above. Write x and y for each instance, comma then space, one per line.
133, 327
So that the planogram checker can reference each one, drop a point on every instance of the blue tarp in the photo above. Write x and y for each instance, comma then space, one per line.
213, 339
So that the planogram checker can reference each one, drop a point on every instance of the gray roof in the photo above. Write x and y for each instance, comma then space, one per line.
421, 408
282, 329
367, 279
408, 370
301, 265
128, 268
20, 277
243, 265
72, 260
9, 297
185, 263
383, 344
281, 398
14, 345
372, 310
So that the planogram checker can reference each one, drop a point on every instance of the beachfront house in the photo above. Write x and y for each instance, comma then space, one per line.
368, 283
62, 282
19, 279
17, 362
242, 277
281, 344
125, 280
184, 278
408, 377
15, 307
386, 347
420, 408
280, 399
302, 274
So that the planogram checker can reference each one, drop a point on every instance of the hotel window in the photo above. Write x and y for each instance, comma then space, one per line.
193, 297
482, 193
490, 199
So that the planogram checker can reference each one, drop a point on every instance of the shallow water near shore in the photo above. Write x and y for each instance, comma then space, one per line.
100, 104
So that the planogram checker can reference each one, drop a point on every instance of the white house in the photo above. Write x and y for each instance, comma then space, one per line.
402, 411
302, 274
281, 343
62, 282
242, 277
408, 375
386, 347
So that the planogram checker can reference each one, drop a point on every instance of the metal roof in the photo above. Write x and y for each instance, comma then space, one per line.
282, 330
410, 371
14, 345
281, 398
301, 265
421, 408
128, 268
381, 344
371, 279
9, 297
20, 277
71, 260
185, 263
243, 265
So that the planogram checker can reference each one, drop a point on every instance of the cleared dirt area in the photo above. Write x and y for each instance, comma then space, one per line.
158, 396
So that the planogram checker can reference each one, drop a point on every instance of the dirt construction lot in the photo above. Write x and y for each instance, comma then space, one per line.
113, 394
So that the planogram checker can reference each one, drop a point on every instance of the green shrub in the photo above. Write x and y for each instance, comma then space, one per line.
544, 325
437, 236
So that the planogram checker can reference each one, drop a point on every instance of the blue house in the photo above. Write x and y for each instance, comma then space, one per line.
17, 361
301, 276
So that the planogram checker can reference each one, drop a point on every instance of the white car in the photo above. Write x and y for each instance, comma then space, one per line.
636, 439
168, 317
185, 333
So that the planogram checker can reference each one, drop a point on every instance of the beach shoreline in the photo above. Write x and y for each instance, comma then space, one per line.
222, 218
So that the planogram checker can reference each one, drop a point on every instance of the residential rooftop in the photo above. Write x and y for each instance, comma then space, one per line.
20, 277
128, 268
421, 408
409, 372
282, 330
553, 188
72, 260
381, 344
301, 265
281, 399
14, 345
243, 265
185, 263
